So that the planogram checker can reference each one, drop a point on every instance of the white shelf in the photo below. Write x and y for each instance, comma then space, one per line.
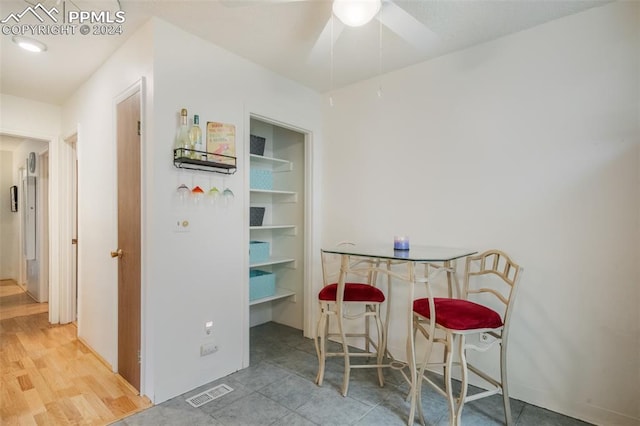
278, 165
255, 228
266, 195
272, 261
272, 191
281, 293
217, 163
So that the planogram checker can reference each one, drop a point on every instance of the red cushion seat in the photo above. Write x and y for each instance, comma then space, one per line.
353, 292
458, 314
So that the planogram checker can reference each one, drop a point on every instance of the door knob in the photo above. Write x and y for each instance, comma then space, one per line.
117, 253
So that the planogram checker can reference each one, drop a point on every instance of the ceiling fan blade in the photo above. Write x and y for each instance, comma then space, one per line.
406, 26
322, 46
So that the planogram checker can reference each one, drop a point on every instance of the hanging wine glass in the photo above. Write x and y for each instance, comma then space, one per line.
227, 194
183, 193
198, 194
213, 194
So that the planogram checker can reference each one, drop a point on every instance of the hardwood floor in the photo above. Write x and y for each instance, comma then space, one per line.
47, 376
15, 302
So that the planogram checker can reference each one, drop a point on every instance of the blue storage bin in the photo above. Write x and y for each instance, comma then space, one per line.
260, 179
258, 252
261, 284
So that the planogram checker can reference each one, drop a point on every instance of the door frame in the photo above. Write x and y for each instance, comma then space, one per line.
72, 307
62, 310
20, 174
73, 198
139, 87
42, 218
58, 193
278, 117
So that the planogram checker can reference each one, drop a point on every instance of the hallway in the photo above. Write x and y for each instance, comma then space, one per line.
47, 376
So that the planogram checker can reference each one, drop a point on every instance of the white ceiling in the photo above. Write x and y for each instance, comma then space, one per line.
291, 38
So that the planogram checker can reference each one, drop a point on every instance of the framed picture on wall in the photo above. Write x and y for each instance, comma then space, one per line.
14, 198
221, 142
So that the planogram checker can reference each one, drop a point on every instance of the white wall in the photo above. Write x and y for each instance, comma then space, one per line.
9, 221
203, 275
91, 113
188, 278
528, 144
17, 117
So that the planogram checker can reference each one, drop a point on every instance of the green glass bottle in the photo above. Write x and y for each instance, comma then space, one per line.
195, 137
183, 144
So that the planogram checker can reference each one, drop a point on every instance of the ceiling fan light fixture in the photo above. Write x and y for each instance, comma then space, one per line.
356, 13
29, 44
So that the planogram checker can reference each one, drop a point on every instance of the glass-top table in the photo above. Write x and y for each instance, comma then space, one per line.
416, 253
402, 265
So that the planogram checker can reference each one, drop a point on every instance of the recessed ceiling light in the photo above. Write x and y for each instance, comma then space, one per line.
29, 44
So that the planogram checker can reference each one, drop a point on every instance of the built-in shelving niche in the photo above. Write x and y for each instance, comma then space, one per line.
283, 223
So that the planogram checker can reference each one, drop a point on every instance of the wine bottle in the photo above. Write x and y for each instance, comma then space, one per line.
195, 137
183, 144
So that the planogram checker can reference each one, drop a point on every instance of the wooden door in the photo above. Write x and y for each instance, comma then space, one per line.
128, 253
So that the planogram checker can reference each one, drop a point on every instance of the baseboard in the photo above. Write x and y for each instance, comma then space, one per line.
96, 354
563, 405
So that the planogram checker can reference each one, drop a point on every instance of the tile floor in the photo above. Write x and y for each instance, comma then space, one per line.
279, 389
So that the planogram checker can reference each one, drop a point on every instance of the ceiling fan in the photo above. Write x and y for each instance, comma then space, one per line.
355, 13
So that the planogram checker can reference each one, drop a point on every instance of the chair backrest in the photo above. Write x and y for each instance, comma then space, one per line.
331, 268
493, 273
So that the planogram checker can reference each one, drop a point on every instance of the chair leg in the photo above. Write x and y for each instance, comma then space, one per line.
420, 377
345, 351
448, 367
367, 332
503, 378
412, 396
321, 334
381, 346
464, 378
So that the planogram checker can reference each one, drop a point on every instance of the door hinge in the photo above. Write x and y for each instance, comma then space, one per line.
139, 358
138, 127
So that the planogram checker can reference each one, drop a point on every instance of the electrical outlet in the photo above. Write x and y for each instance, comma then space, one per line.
486, 338
208, 349
208, 328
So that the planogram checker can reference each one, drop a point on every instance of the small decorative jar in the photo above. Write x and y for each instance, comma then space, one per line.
401, 242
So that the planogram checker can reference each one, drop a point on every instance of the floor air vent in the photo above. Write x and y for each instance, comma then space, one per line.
209, 395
